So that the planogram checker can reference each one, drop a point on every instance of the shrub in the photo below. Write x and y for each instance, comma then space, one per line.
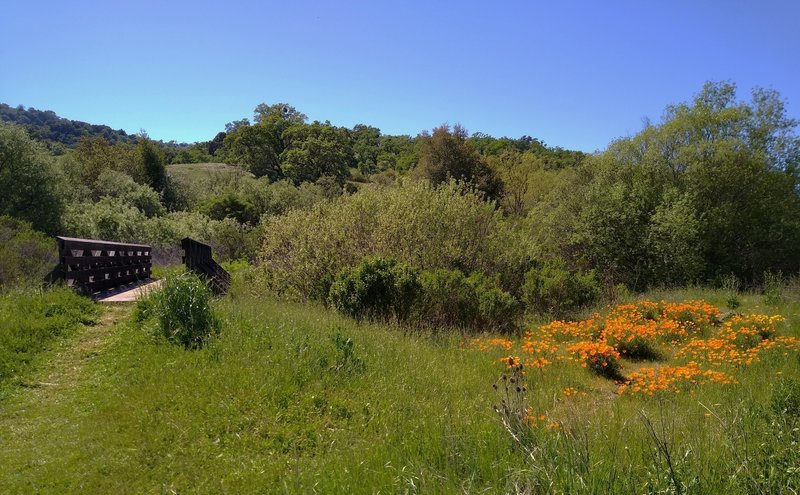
555, 289
446, 227
116, 184
183, 308
599, 357
229, 205
26, 256
29, 180
377, 288
449, 298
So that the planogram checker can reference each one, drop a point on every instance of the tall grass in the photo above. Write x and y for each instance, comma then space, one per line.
30, 322
294, 398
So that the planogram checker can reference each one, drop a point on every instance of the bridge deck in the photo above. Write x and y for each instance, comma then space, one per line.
129, 292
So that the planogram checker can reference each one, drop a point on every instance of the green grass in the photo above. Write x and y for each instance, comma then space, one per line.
31, 323
281, 402
184, 172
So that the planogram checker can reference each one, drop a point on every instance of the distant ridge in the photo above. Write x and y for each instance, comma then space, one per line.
46, 125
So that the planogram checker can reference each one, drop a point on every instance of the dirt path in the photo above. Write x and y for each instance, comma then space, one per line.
60, 375
40, 424
66, 365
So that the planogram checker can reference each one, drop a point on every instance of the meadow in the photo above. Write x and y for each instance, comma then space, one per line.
292, 397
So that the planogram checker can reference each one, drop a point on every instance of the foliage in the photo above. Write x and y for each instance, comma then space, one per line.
114, 184
711, 190
29, 181
229, 205
451, 299
26, 256
182, 307
314, 151
150, 161
427, 227
31, 322
109, 219
259, 146
773, 287
555, 289
47, 126
448, 156
376, 288
93, 155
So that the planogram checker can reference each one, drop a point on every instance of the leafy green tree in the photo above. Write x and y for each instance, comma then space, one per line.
315, 150
366, 147
95, 154
151, 163
29, 181
259, 146
712, 190
447, 155
115, 184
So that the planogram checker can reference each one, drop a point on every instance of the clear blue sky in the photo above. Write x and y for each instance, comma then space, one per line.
574, 74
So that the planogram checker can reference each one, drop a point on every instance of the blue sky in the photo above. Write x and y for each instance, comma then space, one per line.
575, 74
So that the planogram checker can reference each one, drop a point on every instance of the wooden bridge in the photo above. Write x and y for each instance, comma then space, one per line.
117, 271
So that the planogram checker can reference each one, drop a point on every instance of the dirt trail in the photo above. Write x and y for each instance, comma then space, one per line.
61, 373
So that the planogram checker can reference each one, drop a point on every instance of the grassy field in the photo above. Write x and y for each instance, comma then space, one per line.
294, 398
194, 171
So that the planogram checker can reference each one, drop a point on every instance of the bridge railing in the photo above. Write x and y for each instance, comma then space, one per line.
198, 259
93, 265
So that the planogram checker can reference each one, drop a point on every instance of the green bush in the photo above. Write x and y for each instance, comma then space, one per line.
553, 288
26, 256
450, 298
116, 184
445, 227
30, 322
376, 288
183, 309
229, 205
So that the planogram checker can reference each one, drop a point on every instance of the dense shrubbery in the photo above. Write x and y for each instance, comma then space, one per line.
450, 298
30, 322
114, 184
553, 288
430, 228
30, 184
384, 288
182, 308
376, 287
26, 256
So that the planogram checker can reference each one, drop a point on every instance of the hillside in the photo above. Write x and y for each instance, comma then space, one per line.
46, 125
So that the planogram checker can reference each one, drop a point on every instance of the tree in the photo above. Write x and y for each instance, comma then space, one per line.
259, 146
447, 155
29, 181
151, 163
315, 150
366, 146
711, 190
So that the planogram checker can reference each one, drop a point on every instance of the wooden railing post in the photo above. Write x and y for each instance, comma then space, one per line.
198, 259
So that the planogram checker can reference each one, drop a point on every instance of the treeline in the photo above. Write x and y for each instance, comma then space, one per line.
46, 126
710, 193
